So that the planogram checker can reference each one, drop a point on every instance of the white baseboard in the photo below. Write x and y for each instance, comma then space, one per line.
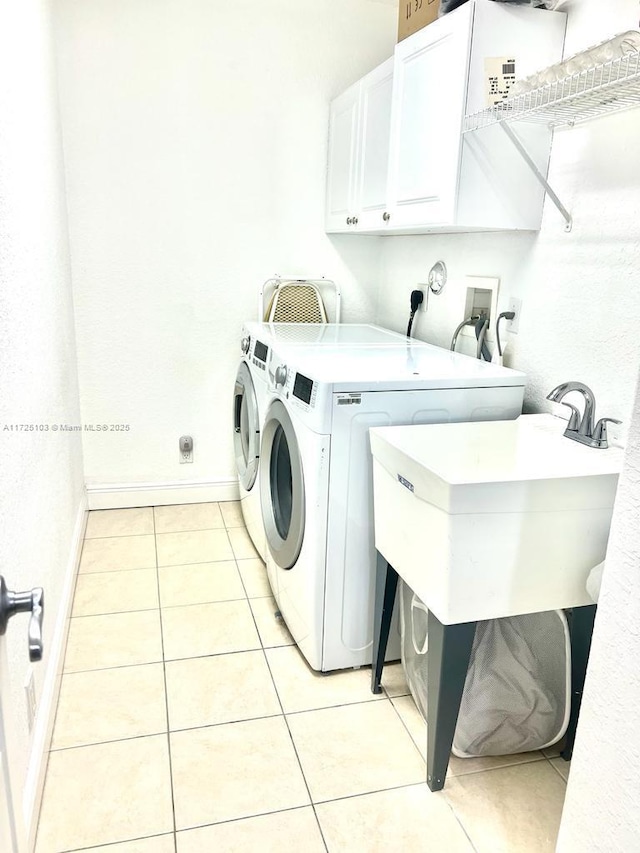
45, 718
124, 495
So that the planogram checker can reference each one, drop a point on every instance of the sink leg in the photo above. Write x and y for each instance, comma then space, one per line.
581, 629
386, 585
447, 663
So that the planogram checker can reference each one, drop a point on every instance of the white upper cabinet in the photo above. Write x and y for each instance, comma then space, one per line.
375, 111
430, 82
434, 178
343, 138
359, 152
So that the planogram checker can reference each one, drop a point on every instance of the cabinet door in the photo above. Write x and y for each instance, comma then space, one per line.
429, 94
373, 159
341, 177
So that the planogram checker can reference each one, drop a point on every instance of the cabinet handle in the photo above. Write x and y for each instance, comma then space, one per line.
355, 220
386, 216
349, 220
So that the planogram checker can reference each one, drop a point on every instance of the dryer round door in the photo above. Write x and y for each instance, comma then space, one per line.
282, 487
246, 428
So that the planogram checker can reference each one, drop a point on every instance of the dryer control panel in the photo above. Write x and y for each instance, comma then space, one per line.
298, 389
307, 398
304, 389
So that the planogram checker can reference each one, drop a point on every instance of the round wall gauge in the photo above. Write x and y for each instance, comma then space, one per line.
437, 277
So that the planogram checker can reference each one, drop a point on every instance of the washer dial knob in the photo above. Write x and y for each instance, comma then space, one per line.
245, 343
281, 375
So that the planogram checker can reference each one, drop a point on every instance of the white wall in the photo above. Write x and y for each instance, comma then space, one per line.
601, 809
41, 486
195, 143
580, 300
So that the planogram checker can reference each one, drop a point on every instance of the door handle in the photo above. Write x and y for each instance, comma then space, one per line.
237, 410
24, 602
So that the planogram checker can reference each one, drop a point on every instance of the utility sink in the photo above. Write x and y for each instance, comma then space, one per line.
492, 519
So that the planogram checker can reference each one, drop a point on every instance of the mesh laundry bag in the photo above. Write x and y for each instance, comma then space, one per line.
517, 692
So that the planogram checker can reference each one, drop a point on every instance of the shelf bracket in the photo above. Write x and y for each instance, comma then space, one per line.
538, 174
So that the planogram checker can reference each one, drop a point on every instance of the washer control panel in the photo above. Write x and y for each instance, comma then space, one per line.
260, 355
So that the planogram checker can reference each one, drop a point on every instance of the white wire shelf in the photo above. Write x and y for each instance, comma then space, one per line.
602, 89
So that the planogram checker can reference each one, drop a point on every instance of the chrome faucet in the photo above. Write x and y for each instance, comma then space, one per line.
582, 429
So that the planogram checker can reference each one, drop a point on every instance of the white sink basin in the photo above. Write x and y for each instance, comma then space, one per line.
492, 519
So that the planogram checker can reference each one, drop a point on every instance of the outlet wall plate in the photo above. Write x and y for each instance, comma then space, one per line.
185, 445
515, 305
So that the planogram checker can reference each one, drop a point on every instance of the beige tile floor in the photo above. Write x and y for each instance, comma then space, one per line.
188, 722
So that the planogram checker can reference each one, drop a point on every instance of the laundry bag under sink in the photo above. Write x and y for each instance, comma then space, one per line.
517, 692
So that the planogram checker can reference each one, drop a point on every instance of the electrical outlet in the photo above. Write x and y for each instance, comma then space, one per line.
30, 693
186, 449
424, 289
515, 305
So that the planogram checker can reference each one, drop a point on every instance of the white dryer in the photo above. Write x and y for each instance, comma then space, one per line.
316, 481
324, 334
250, 396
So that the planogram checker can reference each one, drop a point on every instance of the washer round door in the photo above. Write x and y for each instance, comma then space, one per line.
282, 487
246, 428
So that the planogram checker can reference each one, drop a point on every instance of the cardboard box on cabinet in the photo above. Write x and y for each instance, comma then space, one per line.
415, 14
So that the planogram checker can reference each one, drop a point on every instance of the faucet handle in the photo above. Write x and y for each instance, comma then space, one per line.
600, 431
574, 420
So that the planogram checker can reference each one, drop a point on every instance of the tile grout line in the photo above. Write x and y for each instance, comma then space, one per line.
375, 791
166, 695
166, 606
160, 532
524, 763
286, 722
163, 566
299, 808
111, 740
284, 716
116, 843
223, 722
242, 817
231, 559
171, 660
406, 728
449, 806
550, 760
532, 760
164, 532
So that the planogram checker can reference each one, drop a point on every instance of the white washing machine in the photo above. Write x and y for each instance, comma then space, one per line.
316, 481
249, 408
250, 395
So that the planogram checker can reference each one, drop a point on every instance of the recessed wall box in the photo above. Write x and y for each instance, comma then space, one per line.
481, 298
